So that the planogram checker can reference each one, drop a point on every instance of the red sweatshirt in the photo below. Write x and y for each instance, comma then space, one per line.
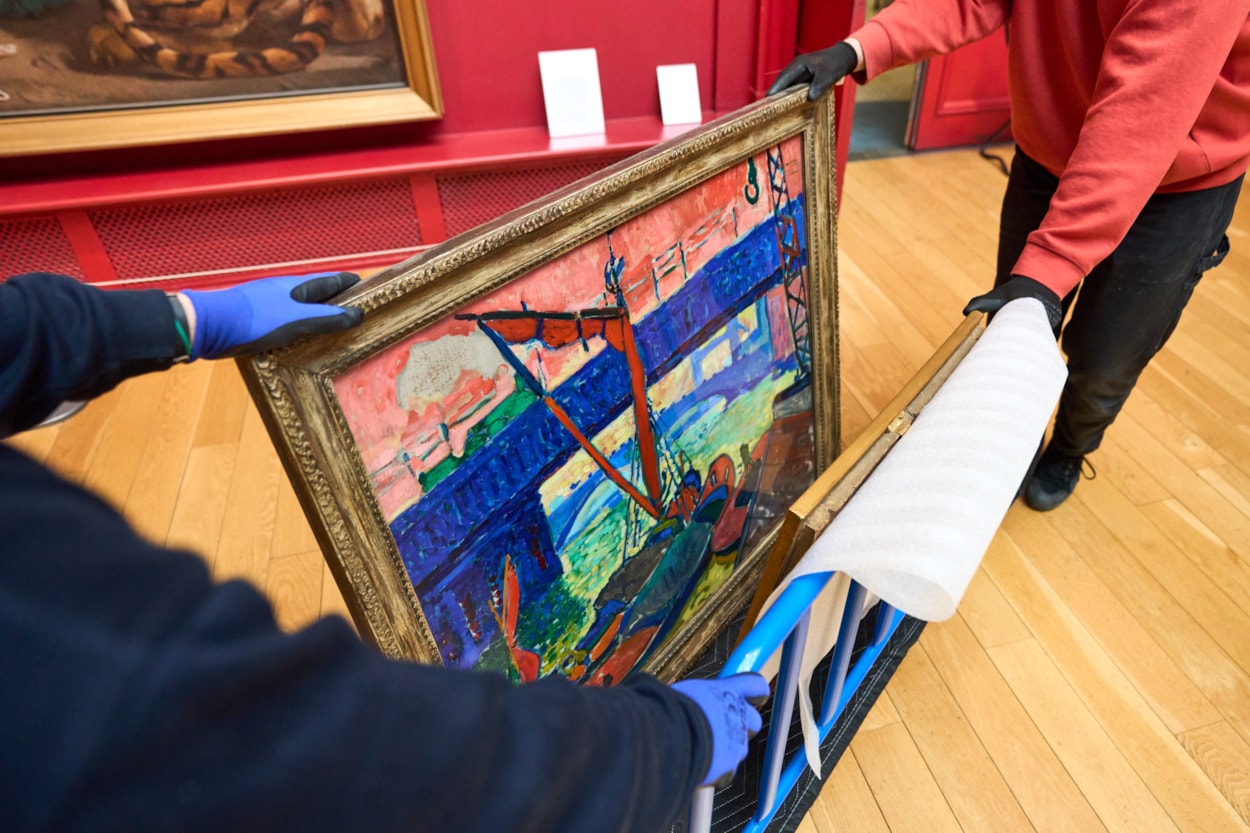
1119, 98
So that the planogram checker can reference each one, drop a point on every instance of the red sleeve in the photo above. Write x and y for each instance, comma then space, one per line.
907, 31
1159, 65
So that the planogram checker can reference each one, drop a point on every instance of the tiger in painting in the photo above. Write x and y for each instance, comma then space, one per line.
200, 38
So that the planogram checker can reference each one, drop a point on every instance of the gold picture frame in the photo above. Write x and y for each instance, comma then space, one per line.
691, 289
413, 94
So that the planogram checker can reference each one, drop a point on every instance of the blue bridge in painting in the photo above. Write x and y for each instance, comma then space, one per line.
455, 538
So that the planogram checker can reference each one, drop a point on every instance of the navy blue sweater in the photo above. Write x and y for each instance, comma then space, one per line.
136, 694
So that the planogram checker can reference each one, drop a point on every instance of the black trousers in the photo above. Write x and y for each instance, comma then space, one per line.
1130, 303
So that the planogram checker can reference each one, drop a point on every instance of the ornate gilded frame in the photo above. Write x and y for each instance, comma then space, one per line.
294, 388
127, 126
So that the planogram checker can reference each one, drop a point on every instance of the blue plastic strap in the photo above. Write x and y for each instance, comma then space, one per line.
843, 649
775, 625
783, 709
885, 613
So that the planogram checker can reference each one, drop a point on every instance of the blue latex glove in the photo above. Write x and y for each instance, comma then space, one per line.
729, 705
269, 313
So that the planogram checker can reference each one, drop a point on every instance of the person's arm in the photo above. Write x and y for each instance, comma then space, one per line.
63, 340
141, 695
903, 33
1158, 68
907, 31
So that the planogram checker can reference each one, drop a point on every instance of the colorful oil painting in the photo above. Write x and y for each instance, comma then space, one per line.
573, 464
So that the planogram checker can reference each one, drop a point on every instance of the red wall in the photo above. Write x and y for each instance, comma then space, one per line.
188, 213
488, 64
486, 52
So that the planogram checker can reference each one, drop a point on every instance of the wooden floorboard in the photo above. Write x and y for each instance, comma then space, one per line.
1097, 674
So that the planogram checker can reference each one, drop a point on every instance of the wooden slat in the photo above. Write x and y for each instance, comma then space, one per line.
990, 616
853, 809
1171, 694
1206, 550
910, 800
1021, 751
1082, 700
1114, 789
244, 548
223, 412
1217, 430
201, 506
292, 533
78, 440
964, 771
294, 585
881, 714
1225, 757
114, 467
36, 443
1139, 545
154, 493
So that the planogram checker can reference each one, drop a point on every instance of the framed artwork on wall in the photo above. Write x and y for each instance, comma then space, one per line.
77, 75
561, 443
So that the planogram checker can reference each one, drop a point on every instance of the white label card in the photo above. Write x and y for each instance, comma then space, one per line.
679, 94
571, 92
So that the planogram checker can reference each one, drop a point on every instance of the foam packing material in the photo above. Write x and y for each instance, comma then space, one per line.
916, 530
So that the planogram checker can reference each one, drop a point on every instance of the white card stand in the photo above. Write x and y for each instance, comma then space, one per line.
679, 94
571, 92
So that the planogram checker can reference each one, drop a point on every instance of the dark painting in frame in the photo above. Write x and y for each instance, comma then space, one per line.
69, 80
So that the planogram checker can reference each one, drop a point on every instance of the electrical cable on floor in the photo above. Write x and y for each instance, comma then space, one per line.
984, 153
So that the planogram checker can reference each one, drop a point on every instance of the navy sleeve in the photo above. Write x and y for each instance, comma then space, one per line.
62, 340
138, 694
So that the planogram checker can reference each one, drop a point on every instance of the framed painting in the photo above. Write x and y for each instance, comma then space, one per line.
77, 74
561, 443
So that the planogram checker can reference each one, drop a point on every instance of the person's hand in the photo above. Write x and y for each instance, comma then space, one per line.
729, 705
266, 314
823, 69
1016, 287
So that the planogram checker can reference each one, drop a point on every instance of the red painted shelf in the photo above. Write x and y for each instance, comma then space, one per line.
496, 149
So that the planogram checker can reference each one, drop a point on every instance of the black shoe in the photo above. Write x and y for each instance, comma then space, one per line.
1028, 475
1054, 479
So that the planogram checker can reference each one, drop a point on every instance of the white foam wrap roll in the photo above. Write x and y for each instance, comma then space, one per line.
916, 530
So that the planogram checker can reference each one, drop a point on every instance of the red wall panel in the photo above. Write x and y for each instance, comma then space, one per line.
821, 24
36, 244
487, 54
737, 35
965, 98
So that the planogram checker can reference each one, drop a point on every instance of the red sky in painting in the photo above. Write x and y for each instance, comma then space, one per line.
574, 281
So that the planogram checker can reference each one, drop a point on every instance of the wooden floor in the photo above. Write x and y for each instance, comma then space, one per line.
1097, 675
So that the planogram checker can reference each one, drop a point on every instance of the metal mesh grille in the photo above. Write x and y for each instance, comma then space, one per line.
36, 244
469, 200
254, 230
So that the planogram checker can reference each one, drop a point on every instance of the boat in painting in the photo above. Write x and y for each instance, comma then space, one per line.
577, 511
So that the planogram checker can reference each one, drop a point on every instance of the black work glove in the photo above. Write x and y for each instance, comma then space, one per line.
1019, 287
823, 69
